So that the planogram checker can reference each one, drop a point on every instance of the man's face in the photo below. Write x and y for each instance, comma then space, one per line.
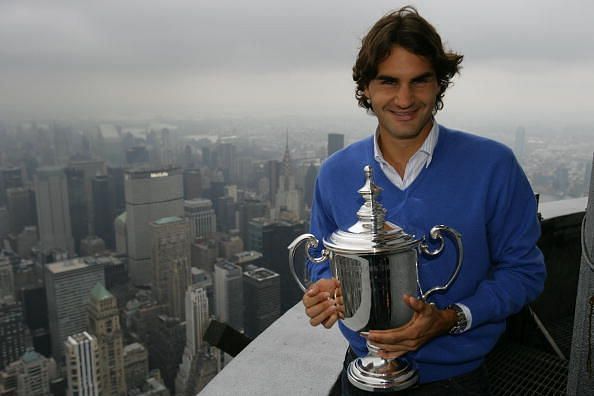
403, 95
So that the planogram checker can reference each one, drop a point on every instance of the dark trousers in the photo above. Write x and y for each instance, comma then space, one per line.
474, 383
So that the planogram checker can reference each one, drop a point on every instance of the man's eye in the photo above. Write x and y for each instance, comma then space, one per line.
388, 82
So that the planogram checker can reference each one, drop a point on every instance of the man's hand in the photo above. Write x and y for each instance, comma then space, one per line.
427, 323
323, 302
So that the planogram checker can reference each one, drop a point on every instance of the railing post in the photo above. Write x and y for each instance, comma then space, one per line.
581, 365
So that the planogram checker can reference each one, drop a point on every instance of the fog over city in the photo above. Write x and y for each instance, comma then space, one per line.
526, 63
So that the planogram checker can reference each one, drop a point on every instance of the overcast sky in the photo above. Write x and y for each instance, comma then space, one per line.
525, 61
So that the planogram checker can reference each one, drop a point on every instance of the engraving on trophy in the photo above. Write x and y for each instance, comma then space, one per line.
353, 274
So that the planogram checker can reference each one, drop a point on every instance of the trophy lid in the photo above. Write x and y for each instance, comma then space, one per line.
371, 233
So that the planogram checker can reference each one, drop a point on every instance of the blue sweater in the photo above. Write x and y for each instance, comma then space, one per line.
474, 185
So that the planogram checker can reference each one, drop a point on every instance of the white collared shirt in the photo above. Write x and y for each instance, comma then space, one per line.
421, 159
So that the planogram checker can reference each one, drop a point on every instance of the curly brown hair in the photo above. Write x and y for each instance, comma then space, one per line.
405, 28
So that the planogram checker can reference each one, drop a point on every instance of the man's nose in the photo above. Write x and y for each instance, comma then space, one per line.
404, 97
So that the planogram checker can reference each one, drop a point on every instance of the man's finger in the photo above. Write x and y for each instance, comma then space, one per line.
415, 304
394, 347
310, 301
317, 309
390, 355
330, 321
314, 321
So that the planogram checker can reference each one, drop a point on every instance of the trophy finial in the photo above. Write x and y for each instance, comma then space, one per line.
371, 214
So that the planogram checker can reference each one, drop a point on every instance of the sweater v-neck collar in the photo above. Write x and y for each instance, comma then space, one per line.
384, 182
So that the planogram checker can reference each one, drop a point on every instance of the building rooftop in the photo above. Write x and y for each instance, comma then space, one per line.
226, 265
68, 265
198, 202
247, 255
146, 172
169, 220
134, 347
80, 337
261, 274
99, 292
31, 356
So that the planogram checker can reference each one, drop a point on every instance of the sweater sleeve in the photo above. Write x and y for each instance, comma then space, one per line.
321, 226
517, 272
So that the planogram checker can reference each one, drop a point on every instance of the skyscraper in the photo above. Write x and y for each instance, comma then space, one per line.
88, 169
10, 177
204, 253
121, 234
192, 183
226, 155
201, 216
82, 365
271, 238
151, 194
51, 197
273, 170
29, 376
309, 182
288, 197
6, 278
104, 324
261, 293
203, 280
230, 244
137, 155
197, 317
115, 176
249, 209
167, 346
224, 208
14, 334
335, 142
229, 294
136, 365
171, 263
103, 212
77, 206
68, 284
20, 203
196, 324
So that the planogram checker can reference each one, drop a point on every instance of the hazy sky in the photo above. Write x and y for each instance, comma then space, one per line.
525, 61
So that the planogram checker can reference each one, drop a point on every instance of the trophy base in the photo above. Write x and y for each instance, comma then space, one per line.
374, 374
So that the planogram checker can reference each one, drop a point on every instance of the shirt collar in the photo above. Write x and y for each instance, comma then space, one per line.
427, 147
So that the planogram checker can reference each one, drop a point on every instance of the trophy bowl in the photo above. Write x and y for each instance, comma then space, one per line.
376, 263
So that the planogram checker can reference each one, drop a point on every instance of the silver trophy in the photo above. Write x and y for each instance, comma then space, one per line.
376, 263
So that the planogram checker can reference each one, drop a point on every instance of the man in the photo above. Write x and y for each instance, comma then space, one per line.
430, 175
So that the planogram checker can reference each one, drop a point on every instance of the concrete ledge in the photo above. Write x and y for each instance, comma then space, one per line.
290, 357
550, 210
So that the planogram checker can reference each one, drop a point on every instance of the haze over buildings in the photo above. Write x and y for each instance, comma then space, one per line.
106, 61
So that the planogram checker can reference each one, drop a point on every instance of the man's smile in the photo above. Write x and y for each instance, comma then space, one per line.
402, 115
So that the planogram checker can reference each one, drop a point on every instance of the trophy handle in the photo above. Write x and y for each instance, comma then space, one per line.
312, 242
436, 234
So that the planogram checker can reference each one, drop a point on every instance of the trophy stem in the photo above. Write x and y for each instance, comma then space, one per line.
373, 373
